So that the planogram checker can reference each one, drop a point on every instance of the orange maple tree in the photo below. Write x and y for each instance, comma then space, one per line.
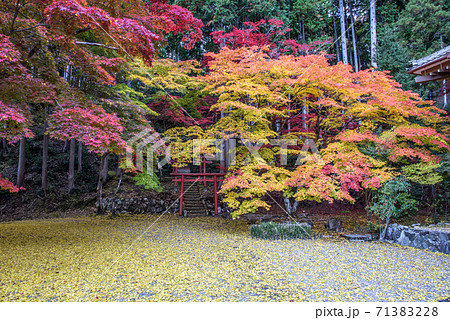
362, 124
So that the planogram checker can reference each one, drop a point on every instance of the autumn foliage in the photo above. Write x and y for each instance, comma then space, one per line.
64, 56
363, 124
93, 71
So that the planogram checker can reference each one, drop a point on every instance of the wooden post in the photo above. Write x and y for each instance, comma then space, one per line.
181, 196
175, 170
215, 193
204, 171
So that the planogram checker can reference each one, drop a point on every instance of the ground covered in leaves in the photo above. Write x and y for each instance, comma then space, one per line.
204, 259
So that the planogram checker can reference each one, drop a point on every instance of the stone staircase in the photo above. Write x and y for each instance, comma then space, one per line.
192, 204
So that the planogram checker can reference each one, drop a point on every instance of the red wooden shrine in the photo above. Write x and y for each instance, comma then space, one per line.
195, 177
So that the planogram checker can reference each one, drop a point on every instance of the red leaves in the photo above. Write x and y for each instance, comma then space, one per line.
98, 130
9, 58
135, 33
135, 38
8, 185
17, 89
13, 124
71, 15
172, 18
270, 35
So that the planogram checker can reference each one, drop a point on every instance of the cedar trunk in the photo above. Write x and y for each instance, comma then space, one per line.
338, 53
44, 161
80, 155
373, 33
21, 166
71, 165
99, 204
45, 155
355, 48
343, 36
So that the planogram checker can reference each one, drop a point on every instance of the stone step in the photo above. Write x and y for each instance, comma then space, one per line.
358, 237
191, 209
192, 204
196, 215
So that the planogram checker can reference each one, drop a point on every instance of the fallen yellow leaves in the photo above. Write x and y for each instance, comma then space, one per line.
203, 259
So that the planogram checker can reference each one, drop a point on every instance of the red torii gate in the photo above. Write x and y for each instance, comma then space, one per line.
194, 177
204, 162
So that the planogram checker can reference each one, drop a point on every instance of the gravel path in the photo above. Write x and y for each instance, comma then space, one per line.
204, 259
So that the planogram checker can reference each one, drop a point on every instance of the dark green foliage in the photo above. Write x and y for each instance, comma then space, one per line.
393, 199
394, 56
422, 24
278, 231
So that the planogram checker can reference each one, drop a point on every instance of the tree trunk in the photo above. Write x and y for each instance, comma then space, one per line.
373, 33
343, 36
303, 32
105, 170
290, 208
338, 53
287, 204
120, 182
99, 204
383, 234
348, 39
45, 155
21, 166
305, 117
44, 161
119, 171
367, 201
289, 113
355, 50
4, 144
294, 206
80, 155
71, 165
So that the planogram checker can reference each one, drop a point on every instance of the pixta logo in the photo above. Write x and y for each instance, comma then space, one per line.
153, 144
156, 147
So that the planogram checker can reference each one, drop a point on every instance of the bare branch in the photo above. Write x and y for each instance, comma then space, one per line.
95, 44
83, 30
16, 13
36, 26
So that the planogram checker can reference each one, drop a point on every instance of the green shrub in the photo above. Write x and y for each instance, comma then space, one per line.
149, 181
373, 227
393, 200
276, 231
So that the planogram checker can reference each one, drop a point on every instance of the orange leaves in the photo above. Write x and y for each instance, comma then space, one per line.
344, 169
362, 123
358, 137
245, 187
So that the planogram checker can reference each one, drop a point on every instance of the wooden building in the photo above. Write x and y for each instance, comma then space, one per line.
435, 67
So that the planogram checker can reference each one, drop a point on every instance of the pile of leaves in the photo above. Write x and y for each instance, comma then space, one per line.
140, 258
